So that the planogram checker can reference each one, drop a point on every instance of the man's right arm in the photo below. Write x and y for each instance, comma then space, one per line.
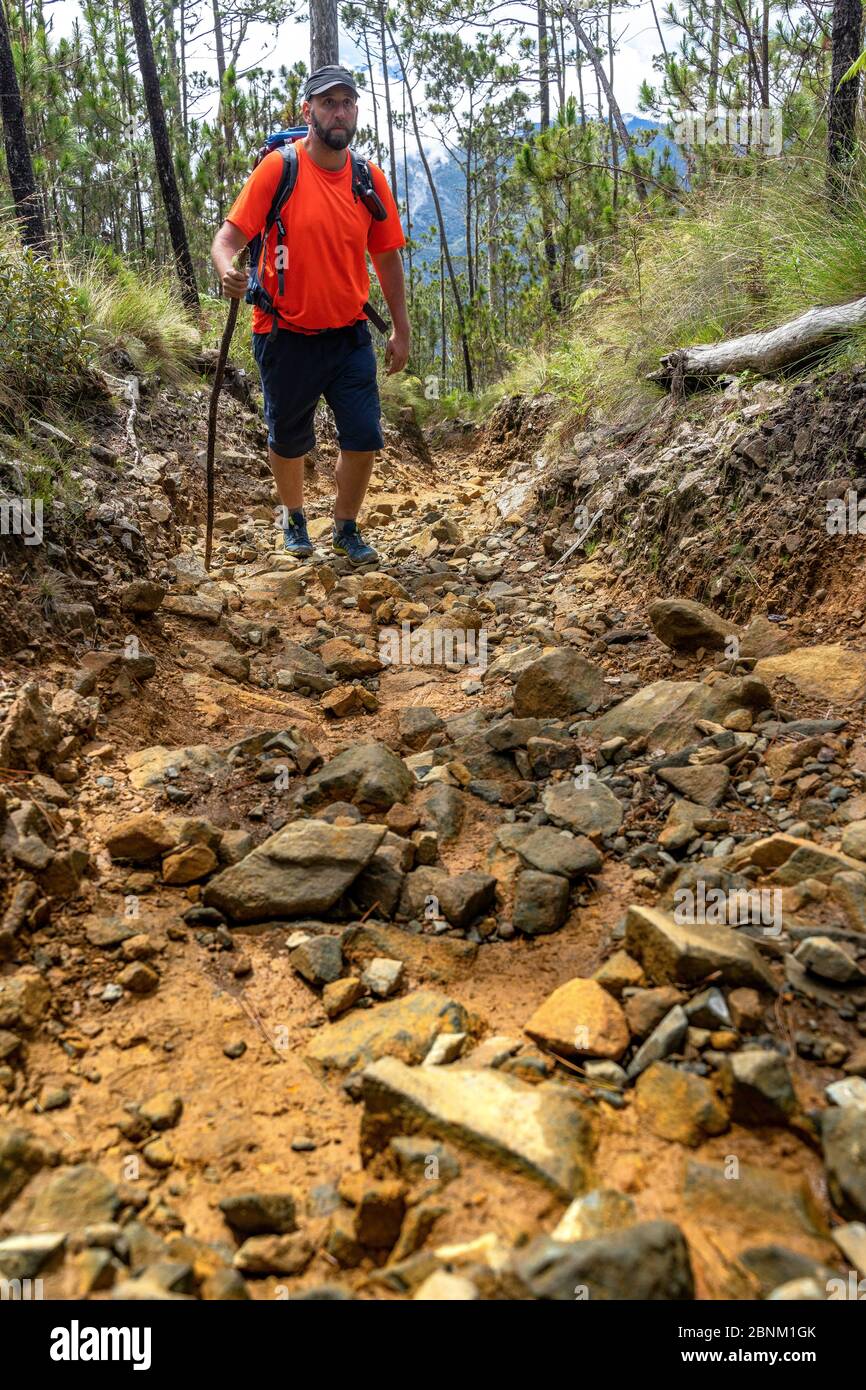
228, 241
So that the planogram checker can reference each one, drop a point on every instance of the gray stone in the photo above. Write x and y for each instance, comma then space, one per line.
843, 1134
260, 1213
684, 625
649, 1261
758, 1087
591, 810
775, 1265
149, 766
368, 775
541, 1129
829, 960
304, 868
705, 786
404, 1028
382, 976
72, 1199
319, 960
540, 902
443, 809
675, 953
667, 712
554, 851
460, 897
22, 1257
662, 1041
558, 684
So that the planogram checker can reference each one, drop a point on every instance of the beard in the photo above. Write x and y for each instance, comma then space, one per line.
334, 139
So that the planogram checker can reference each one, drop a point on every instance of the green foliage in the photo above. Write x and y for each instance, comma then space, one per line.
139, 312
43, 352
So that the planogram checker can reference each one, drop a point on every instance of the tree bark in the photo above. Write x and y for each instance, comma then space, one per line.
768, 351
544, 114
613, 105
389, 119
162, 155
715, 43
324, 34
28, 208
434, 193
842, 113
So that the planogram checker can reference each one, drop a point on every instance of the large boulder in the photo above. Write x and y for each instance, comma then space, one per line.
303, 869
649, 1261
370, 776
560, 683
684, 625
673, 953
590, 810
829, 673
666, 712
843, 1134
542, 1130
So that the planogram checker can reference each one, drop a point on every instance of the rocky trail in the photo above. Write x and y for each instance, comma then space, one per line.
334, 965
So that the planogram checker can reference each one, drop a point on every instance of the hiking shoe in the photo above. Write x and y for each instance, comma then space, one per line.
297, 539
347, 540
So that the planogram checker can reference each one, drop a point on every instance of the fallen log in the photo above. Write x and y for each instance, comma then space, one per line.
763, 352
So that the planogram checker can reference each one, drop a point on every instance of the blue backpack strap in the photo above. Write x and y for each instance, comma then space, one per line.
256, 292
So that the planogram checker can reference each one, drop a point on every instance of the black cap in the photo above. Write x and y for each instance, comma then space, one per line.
324, 78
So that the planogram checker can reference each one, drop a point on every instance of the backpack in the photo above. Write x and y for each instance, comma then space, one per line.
362, 187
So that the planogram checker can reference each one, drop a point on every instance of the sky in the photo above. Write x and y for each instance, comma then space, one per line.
637, 44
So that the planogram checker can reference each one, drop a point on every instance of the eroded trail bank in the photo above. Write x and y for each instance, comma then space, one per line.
408, 977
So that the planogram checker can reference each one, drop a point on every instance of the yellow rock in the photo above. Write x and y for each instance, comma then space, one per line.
580, 1019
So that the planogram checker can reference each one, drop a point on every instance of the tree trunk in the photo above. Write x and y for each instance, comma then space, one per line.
373, 96
28, 209
442, 311
767, 351
388, 115
162, 155
434, 193
184, 96
842, 113
408, 207
544, 106
613, 106
324, 34
715, 42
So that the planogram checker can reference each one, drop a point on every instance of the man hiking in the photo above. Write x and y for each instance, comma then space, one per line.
317, 342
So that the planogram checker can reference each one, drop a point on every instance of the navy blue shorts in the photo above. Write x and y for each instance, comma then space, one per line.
297, 369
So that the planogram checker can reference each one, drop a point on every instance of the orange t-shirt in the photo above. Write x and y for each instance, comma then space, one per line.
327, 238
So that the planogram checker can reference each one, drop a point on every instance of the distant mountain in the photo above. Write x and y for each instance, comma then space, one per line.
450, 185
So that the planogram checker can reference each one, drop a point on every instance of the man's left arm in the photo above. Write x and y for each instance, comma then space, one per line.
389, 269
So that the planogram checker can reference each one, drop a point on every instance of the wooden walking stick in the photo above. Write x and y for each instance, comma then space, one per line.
212, 423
